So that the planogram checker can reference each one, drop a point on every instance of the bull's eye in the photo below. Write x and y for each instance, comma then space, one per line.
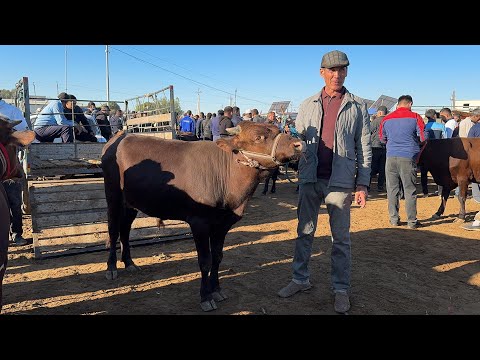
260, 138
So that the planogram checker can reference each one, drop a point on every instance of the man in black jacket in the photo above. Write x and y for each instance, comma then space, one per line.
379, 151
225, 121
83, 130
103, 123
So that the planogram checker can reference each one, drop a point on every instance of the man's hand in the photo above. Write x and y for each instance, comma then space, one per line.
361, 194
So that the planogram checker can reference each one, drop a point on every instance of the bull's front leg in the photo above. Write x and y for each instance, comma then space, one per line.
217, 240
200, 231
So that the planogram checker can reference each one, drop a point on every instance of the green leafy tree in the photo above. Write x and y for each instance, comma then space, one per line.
146, 106
162, 105
7, 94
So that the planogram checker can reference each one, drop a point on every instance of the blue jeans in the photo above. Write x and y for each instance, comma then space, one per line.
398, 169
338, 201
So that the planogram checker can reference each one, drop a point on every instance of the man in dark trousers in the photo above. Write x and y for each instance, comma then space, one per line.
379, 151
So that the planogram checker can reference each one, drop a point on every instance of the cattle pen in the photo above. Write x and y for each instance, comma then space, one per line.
64, 191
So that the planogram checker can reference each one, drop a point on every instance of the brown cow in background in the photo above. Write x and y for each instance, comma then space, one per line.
206, 184
452, 162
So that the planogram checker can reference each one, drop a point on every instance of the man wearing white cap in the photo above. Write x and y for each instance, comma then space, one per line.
247, 115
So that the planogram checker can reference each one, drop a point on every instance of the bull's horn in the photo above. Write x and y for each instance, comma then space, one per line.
234, 131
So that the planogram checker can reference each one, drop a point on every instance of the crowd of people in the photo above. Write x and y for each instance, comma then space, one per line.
213, 125
393, 160
62, 118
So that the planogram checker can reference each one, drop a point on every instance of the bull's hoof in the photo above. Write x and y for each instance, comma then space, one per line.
459, 220
435, 217
208, 305
219, 296
111, 274
132, 268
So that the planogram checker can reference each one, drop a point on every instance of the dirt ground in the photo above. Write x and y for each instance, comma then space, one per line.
432, 270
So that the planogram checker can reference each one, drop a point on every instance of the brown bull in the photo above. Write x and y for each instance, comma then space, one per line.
452, 162
9, 169
206, 184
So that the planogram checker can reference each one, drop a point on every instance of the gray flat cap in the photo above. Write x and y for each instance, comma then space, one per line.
476, 111
333, 59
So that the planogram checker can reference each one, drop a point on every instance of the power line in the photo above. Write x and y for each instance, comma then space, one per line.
184, 68
187, 78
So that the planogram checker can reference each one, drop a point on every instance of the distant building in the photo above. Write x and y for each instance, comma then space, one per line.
466, 105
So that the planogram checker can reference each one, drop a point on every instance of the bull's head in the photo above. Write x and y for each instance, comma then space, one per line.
262, 143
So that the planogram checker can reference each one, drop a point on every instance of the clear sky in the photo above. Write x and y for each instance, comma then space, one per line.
260, 74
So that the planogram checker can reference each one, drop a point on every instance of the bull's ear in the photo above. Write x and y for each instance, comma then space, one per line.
23, 137
234, 131
225, 145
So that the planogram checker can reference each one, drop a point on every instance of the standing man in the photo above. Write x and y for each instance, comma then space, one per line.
236, 118
450, 123
225, 121
256, 117
116, 121
433, 130
465, 126
379, 152
335, 125
401, 131
199, 126
13, 187
475, 132
216, 125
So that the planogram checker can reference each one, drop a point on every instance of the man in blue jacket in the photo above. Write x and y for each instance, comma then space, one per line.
51, 123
